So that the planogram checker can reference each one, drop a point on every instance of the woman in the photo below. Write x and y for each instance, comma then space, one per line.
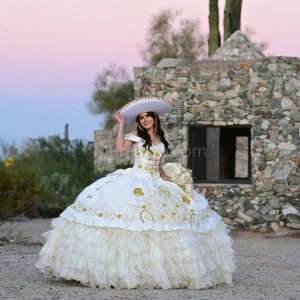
135, 228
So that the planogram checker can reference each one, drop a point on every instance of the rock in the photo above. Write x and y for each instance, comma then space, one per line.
244, 217
225, 82
275, 203
295, 82
286, 146
268, 185
272, 67
281, 224
295, 114
228, 221
293, 219
264, 210
244, 122
269, 218
234, 102
290, 210
255, 215
254, 227
283, 173
277, 95
187, 116
286, 103
265, 124
196, 108
292, 225
212, 86
236, 205
280, 188
247, 205
219, 123
231, 94
240, 221
268, 172
231, 213
263, 230
172, 62
212, 103
275, 226
271, 146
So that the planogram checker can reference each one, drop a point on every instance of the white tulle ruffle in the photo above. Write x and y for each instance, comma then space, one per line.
114, 257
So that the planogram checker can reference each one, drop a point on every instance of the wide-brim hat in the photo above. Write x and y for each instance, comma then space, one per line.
133, 108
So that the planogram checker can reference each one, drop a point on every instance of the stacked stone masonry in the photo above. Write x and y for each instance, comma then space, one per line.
264, 94
236, 86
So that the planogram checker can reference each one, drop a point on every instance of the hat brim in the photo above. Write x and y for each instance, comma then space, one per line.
133, 108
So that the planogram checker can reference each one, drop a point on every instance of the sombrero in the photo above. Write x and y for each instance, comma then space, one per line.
133, 108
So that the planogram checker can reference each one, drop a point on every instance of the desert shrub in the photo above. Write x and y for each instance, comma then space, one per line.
18, 191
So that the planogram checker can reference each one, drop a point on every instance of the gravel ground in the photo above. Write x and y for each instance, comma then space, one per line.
268, 267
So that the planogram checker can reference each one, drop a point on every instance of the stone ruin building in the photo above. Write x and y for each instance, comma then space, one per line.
236, 125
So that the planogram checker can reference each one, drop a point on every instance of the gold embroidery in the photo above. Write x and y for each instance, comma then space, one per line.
145, 211
106, 214
138, 192
156, 153
185, 199
163, 202
151, 214
148, 161
169, 205
164, 190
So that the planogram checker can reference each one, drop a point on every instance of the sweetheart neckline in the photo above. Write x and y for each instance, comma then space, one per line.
157, 144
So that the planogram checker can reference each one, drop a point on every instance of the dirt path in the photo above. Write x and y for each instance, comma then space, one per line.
267, 268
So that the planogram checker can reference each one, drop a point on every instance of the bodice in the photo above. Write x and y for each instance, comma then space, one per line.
146, 162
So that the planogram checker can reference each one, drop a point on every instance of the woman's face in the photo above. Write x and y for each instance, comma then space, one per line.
146, 121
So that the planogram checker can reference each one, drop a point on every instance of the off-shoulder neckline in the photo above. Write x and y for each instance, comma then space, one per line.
155, 145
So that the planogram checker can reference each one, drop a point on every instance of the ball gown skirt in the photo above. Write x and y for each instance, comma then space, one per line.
132, 229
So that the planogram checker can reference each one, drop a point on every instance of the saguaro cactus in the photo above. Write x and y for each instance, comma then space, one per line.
232, 17
214, 41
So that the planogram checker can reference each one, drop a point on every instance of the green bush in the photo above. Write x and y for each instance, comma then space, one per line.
45, 177
18, 192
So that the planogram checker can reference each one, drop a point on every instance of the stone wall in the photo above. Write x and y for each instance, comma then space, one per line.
265, 95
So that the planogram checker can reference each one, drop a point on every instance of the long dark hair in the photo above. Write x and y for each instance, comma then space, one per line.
146, 137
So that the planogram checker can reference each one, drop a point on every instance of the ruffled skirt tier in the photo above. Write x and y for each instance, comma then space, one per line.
107, 257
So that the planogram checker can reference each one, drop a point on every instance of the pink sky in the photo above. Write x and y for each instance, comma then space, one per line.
52, 50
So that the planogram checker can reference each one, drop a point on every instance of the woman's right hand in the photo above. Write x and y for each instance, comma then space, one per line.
118, 119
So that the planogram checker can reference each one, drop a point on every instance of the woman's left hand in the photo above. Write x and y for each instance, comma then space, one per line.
167, 178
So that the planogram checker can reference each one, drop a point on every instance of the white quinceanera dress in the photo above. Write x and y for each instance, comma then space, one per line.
132, 229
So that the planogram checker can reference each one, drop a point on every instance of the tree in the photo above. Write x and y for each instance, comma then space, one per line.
113, 88
214, 33
164, 40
